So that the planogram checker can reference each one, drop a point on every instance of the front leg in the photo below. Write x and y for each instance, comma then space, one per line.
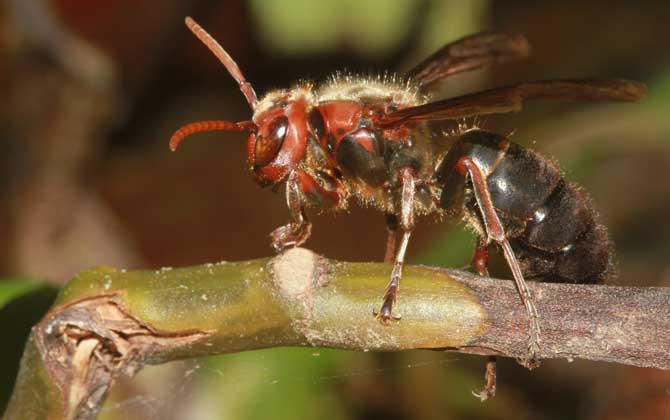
406, 224
298, 230
303, 189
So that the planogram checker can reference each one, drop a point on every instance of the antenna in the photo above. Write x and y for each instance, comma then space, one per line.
199, 126
225, 59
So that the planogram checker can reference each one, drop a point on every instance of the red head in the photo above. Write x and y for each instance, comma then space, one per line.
278, 129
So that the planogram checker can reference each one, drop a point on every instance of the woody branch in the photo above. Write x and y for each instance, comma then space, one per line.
108, 323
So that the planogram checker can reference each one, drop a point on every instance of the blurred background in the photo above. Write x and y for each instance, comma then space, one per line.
92, 92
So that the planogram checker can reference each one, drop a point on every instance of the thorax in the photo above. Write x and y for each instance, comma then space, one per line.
366, 156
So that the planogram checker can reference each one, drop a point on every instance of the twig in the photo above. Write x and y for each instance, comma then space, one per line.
109, 323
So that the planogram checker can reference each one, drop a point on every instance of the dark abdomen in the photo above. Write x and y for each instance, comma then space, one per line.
568, 245
549, 222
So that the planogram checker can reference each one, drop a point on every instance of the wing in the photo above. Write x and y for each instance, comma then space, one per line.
511, 98
469, 53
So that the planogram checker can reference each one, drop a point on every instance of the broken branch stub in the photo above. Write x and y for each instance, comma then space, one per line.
107, 323
87, 345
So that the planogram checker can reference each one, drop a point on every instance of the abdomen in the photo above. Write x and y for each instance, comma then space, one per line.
549, 222
568, 244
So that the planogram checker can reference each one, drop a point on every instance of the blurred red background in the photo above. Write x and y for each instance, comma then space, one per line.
93, 90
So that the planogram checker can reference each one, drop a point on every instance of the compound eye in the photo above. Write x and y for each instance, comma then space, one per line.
269, 141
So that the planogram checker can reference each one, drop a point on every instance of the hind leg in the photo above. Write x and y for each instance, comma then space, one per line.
480, 260
495, 232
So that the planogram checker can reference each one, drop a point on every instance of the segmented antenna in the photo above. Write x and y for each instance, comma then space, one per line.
225, 59
199, 126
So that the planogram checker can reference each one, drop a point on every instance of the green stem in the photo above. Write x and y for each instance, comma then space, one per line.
108, 323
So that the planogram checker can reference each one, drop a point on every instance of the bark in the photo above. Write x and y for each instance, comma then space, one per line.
108, 323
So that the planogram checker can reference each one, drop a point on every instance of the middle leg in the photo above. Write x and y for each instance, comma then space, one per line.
406, 224
392, 231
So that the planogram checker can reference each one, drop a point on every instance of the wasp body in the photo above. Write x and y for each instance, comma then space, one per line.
367, 138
